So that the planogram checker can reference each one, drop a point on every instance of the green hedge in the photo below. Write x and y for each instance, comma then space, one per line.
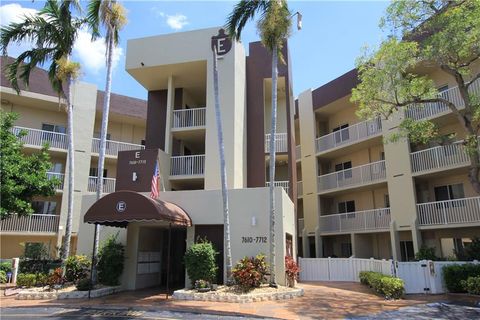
200, 262
3, 276
32, 279
472, 285
388, 286
454, 275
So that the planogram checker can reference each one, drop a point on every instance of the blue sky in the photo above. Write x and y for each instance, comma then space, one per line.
331, 39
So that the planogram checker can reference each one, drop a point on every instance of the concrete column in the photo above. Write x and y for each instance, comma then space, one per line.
395, 242
130, 271
318, 244
353, 241
416, 236
190, 241
305, 244
170, 107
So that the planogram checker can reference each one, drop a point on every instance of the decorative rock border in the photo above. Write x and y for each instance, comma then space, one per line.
237, 298
52, 295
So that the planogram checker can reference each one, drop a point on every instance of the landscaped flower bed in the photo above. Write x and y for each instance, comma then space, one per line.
235, 294
70, 292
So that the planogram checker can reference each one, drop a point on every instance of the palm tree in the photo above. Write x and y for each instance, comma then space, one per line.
223, 170
53, 31
274, 28
112, 16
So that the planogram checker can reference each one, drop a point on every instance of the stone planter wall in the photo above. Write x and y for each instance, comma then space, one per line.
52, 295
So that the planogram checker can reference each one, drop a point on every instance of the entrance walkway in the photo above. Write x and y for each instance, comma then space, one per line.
322, 300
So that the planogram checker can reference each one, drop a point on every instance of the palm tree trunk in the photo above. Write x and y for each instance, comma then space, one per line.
223, 171
273, 131
71, 167
103, 145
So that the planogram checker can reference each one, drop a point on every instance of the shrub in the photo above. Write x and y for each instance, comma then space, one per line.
472, 285
3, 276
26, 279
472, 250
6, 266
41, 279
35, 251
84, 284
202, 284
454, 274
35, 266
426, 253
76, 268
250, 272
200, 262
388, 286
110, 261
56, 278
291, 269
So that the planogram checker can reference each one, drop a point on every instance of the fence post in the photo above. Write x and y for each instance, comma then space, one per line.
329, 276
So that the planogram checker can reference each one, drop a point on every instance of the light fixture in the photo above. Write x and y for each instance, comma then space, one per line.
299, 20
254, 221
134, 176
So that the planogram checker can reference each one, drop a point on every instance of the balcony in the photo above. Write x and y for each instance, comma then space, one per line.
368, 220
281, 142
466, 210
188, 118
434, 109
35, 223
38, 138
113, 147
188, 165
439, 158
299, 189
108, 184
283, 184
374, 172
352, 134
59, 176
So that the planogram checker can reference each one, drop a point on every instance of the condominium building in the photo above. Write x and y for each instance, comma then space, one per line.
364, 197
44, 120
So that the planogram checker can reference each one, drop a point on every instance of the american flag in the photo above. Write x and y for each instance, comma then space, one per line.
156, 174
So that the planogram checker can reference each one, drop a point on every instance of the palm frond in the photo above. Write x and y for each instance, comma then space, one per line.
244, 11
93, 17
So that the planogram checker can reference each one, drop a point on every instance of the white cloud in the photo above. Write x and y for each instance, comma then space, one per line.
90, 54
177, 21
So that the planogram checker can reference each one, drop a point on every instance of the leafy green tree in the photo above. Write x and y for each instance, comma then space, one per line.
23, 177
426, 34
274, 27
53, 31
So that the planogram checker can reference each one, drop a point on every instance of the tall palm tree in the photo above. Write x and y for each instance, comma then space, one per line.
112, 16
223, 170
274, 28
53, 31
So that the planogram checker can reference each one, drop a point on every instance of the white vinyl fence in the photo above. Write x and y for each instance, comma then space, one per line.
418, 276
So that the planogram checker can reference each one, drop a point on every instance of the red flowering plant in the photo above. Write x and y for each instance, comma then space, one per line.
250, 272
292, 270
56, 279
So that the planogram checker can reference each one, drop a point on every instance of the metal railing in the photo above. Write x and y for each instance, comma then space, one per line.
432, 109
38, 138
187, 165
113, 147
186, 118
41, 223
283, 184
351, 134
439, 157
281, 142
59, 176
375, 219
464, 210
108, 184
355, 176
298, 152
299, 189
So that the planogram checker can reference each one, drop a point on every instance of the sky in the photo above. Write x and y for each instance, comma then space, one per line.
332, 37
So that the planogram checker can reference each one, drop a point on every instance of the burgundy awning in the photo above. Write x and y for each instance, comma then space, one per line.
119, 208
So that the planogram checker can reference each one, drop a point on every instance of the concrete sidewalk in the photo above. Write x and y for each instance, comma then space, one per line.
322, 300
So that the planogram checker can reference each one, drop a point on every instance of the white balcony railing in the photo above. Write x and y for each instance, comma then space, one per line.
41, 223
187, 165
356, 176
281, 144
186, 118
466, 210
298, 152
299, 189
432, 109
59, 176
375, 219
108, 184
38, 138
283, 184
439, 157
351, 134
113, 147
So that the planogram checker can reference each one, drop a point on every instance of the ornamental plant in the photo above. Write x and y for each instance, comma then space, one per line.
202, 284
292, 270
472, 285
77, 267
56, 278
110, 262
200, 262
250, 272
387, 286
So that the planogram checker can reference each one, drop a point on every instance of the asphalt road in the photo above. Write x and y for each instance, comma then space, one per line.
104, 314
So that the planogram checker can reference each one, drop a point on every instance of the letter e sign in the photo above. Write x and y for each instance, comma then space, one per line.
221, 42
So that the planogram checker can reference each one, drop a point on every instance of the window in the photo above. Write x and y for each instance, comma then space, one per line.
343, 170
406, 250
346, 249
56, 167
341, 133
94, 172
382, 156
50, 137
386, 199
346, 206
449, 192
44, 207
54, 128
